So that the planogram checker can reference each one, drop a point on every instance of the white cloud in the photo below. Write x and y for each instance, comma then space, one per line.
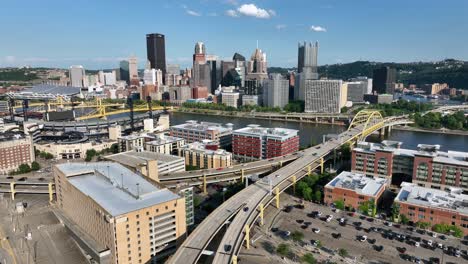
318, 29
192, 13
254, 11
232, 2
272, 12
280, 26
10, 59
232, 13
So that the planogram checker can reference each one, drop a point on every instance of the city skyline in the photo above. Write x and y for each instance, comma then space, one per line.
226, 27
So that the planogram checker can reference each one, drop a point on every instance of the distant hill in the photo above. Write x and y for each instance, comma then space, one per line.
453, 72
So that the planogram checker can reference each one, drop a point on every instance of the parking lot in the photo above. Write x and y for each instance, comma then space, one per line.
366, 240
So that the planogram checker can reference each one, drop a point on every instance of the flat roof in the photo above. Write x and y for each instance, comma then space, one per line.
357, 182
201, 147
257, 130
134, 158
163, 139
449, 157
453, 200
203, 126
115, 188
46, 91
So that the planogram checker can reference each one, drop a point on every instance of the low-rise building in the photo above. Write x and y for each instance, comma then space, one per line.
230, 98
193, 131
354, 189
73, 150
15, 149
426, 166
120, 216
254, 142
165, 144
205, 155
378, 98
151, 164
422, 204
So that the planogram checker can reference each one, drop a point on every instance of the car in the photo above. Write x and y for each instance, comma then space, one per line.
328, 219
23, 179
271, 159
429, 242
336, 235
9, 177
351, 214
378, 248
416, 244
357, 223
439, 245
434, 260
362, 217
371, 240
370, 219
246, 209
307, 223
304, 226
388, 223
336, 210
417, 260
287, 233
288, 209
227, 248
316, 230
220, 169
299, 221
362, 238
401, 249
274, 229
443, 237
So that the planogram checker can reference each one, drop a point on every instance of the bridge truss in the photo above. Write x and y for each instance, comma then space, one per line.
368, 121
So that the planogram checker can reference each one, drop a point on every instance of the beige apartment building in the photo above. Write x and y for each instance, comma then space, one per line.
120, 216
67, 150
15, 149
205, 155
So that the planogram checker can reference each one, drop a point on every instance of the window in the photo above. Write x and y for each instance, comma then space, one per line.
137, 216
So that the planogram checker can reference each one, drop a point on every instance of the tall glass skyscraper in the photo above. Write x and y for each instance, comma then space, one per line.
156, 51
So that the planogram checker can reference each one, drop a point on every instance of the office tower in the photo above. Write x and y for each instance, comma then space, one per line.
240, 66
77, 74
199, 54
366, 80
156, 51
276, 91
201, 75
356, 91
324, 96
113, 207
133, 68
153, 77
173, 69
292, 84
257, 66
199, 92
307, 56
230, 97
384, 80
124, 71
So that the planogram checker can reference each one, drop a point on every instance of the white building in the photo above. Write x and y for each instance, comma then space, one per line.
230, 97
325, 96
77, 75
249, 99
165, 144
276, 91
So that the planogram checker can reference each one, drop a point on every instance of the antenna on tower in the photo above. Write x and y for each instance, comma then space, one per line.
257, 43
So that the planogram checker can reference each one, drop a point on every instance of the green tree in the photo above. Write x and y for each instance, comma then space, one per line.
343, 252
283, 249
318, 196
340, 204
308, 258
35, 166
404, 219
114, 148
196, 201
307, 194
297, 236
90, 154
423, 225
395, 211
24, 168
364, 208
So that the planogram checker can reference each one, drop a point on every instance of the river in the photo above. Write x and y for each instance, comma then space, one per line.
313, 133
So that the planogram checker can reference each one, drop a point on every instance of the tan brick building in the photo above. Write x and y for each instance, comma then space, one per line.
15, 149
205, 155
354, 189
136, 220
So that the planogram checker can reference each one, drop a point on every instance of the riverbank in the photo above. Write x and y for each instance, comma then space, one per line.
330, 121
435, 131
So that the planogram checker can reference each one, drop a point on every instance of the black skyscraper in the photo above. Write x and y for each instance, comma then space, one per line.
156, 51
383, 80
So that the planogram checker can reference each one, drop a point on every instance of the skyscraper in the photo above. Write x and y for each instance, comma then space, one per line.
257, 66
276, 91
77, 74
324, 96
156, 51
199, 54
307, 56
133, 68
384, 80
124, 71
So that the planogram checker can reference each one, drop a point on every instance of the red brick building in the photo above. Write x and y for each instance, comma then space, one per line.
199, 92
15, 149
435, 206
354, 189
255, 142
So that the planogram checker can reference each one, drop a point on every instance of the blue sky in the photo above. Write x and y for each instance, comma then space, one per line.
97, 34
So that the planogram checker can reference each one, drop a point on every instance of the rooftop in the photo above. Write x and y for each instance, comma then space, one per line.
46, 91
201, 147
449, 157
277, 132
11, 135
115, 188
203, 126
163, 139
134, 159
357, 182
435, 198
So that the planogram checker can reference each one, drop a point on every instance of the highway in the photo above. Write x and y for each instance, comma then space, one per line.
249, 202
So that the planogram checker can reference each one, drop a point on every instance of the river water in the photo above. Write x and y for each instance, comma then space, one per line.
313, 133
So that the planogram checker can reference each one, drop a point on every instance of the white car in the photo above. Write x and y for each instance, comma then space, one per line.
316, 230
429, 242
319, 214
363, 238
287, 233
416, 244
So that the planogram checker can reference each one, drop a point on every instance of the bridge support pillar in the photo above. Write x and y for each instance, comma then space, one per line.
261, 213
277, 198
294, 183
51, 192
281, 163
333, 120
309, 170
247, 236
322, 163
204, 184
242, 175
234, 259
12, 189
